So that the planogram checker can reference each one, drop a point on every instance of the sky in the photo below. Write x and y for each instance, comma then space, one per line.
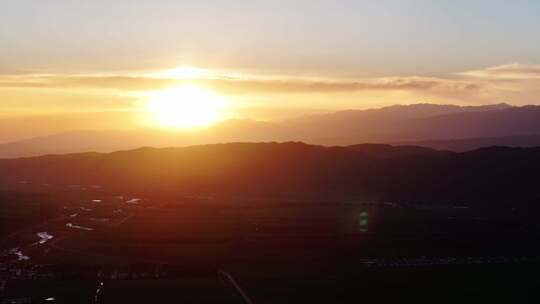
269, 60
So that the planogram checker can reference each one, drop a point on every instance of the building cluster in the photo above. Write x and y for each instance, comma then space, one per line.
447, 261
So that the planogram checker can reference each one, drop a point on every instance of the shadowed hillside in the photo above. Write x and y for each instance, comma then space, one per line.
466, 144
374, 171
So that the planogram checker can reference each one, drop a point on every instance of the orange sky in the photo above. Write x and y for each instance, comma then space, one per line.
118, 100
96, 65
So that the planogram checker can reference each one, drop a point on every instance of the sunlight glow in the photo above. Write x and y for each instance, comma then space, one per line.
184, 72
185, 107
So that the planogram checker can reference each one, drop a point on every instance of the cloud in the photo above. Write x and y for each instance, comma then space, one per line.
328, 86
240, 85
513, 71
122, 83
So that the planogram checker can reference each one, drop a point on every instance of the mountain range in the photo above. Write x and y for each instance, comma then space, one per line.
447, 127
381, 172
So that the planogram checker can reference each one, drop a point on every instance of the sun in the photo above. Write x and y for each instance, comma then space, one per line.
185, 107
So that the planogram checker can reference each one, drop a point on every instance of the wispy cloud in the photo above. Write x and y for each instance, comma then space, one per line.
322, 86
239, 85
507, 71
116, 82
513, 83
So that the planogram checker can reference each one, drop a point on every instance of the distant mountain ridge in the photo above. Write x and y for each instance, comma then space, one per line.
467, 144
427, 125
294, 169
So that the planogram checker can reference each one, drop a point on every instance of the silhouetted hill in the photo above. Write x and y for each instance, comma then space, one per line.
467, 144
421, 124
295, 169
496, 123
109, 141
418, 122
392, 113
388, 151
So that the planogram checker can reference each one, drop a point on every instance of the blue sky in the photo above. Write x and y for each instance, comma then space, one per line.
337, 38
